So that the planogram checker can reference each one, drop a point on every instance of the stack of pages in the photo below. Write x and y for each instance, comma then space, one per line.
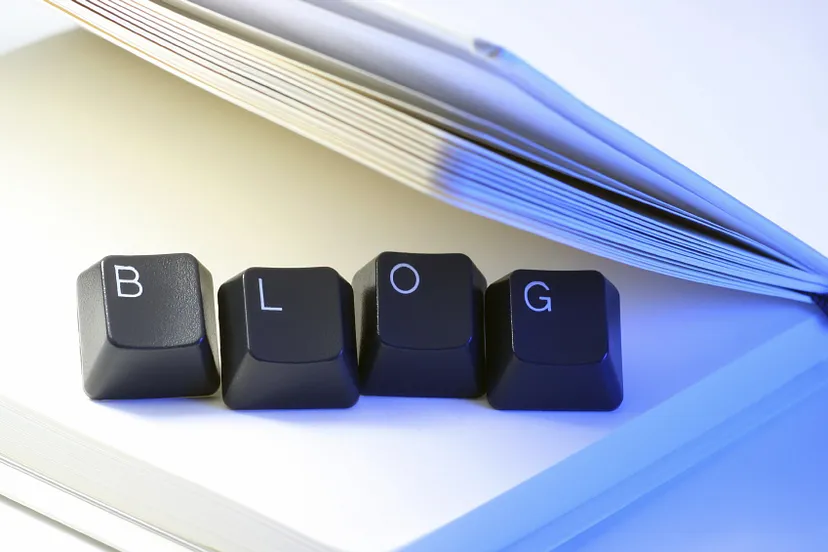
466, 121
173, 150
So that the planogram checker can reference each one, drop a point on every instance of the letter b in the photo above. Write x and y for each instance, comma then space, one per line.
138, 288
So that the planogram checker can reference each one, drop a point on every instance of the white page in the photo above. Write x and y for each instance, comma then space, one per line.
682, 185
485, 92
429, 109
734, 91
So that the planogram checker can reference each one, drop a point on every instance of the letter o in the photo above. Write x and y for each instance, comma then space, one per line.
416, 278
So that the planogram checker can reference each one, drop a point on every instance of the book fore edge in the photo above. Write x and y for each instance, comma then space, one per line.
821, 301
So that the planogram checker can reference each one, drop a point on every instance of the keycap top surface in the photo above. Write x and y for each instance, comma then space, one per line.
428, 302
558, 318
162, 309
308, 328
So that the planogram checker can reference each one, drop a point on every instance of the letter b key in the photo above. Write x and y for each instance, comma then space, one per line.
147, 328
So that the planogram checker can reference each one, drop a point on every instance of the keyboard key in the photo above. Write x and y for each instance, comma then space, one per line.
553, 342
288, 339
147, 328
420, 325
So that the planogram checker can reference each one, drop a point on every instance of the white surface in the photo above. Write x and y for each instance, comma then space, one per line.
132, 160
26, 21
768, 488
767, 493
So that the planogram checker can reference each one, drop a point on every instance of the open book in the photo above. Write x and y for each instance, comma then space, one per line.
467, 121
104, 153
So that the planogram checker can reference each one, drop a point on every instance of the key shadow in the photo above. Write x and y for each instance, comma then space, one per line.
170, 408
370, 411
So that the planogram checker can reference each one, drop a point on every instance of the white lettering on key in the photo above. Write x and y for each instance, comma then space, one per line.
134, 281
416, 278
262, 301
547, 300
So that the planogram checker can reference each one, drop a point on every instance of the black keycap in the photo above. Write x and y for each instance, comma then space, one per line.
288, 339
553, 342
420, 325
147, 328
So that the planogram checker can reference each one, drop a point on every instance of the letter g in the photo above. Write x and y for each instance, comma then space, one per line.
547, 301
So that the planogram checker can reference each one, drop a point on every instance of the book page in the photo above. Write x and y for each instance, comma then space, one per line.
733, 91
507, 92
26, 22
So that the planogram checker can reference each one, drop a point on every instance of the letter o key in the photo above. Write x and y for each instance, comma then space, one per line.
547, 300
416, 279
